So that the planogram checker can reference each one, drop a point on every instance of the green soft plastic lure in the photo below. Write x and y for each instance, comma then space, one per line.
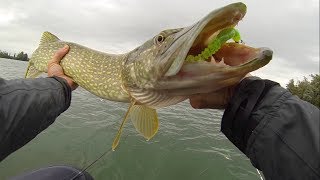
215, 44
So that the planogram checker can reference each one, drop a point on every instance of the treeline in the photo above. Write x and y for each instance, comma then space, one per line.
20, 56
307, 90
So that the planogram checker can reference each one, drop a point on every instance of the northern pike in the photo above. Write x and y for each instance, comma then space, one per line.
157, 74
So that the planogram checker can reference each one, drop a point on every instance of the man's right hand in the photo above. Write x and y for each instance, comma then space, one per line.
214, 100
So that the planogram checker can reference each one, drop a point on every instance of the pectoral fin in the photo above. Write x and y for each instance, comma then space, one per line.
145, 120
117, 138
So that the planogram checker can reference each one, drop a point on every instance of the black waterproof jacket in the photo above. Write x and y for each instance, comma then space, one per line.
27, 107
276, 130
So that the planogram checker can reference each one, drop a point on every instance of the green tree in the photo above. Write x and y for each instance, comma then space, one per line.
307, 90
25, 57
4, 54
20, 56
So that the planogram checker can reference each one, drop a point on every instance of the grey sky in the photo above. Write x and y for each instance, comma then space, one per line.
289, 27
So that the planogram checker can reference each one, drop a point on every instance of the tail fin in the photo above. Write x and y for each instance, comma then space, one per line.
48, 37
32, 71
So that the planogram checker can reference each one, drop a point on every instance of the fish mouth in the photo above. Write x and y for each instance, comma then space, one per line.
227, 66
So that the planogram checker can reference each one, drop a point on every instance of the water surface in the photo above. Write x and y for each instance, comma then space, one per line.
188, 146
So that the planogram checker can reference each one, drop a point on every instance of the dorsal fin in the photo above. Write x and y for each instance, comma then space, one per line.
48, 37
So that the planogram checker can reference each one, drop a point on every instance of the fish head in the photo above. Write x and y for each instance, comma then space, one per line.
142, 67
157, 71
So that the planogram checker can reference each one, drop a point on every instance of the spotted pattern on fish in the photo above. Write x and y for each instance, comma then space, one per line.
95, 71
155, 74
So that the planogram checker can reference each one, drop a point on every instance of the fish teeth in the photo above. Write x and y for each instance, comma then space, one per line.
222, 62
213, 60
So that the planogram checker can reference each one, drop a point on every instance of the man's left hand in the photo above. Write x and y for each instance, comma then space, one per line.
55, 69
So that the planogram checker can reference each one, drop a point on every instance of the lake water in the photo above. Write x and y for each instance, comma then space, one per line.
188, 146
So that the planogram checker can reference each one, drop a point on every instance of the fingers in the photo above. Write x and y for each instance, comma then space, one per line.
207, 100
196, 102
59, 55
247, 75
213, 100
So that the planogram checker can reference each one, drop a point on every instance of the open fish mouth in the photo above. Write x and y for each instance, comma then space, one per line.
195, 65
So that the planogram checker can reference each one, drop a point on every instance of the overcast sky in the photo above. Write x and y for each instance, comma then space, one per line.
289, 27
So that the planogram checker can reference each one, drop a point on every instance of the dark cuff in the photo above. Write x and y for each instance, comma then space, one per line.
236, 123
67, 91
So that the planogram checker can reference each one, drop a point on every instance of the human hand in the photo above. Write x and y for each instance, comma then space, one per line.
213, 100
54, 68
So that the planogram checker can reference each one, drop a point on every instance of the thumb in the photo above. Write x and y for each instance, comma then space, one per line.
59, 55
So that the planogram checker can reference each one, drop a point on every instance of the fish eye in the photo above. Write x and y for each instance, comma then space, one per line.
159, 39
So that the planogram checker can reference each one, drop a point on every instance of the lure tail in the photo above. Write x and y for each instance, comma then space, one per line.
215, 44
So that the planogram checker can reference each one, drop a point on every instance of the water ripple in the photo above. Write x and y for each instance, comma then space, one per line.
189, 144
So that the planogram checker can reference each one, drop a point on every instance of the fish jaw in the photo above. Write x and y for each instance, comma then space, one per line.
204, 77
196, 37
171, 79
165, 53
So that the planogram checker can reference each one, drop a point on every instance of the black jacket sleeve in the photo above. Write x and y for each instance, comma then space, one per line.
27, 107
276, 130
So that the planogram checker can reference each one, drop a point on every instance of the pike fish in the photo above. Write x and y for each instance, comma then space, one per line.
156, 74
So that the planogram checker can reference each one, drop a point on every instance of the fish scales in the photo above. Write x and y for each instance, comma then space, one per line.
157, 74
97, 72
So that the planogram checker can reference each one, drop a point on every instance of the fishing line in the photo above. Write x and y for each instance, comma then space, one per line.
92, 163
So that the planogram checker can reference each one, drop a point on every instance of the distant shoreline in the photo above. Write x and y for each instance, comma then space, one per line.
20, 56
